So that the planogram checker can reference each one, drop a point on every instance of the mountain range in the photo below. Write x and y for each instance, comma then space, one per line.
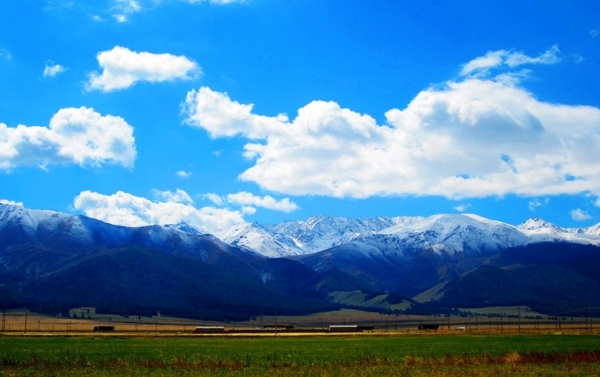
53, 261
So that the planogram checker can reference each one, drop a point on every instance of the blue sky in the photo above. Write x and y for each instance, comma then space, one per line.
216, 112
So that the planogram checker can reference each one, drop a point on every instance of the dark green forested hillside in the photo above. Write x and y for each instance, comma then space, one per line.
140, 281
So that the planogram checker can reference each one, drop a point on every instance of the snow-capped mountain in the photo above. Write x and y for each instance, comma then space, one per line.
593, 230
457, 233
306, 237
256, 238
186, 228
441, 233
422, 249
58, 239
539, 230
407, 255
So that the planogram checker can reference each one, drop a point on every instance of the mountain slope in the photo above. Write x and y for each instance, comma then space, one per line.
44, 242
410, 258
542, 287
57, 260
141, 281
45, 257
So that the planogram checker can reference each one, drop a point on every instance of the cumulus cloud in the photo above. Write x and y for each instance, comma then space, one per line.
469, 137
74, 136
222, 117
129, 210
179, 196
580, 215
494, 59
247, 199
52, 70
122, 68
4, 201
183, 174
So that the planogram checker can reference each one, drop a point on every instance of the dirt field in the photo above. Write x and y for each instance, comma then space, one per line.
21, 322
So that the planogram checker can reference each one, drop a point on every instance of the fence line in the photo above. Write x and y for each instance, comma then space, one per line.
27, 322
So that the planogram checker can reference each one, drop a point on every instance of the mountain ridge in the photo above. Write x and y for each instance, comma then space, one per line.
399, 256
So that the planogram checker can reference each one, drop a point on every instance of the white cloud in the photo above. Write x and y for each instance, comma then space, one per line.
594, 33
474, 137
5, 54
245, 198
179, 196
462, 207
123, 8
221, 116
129, 210
214, 198
579, 215
52, 70
494, 59
4, 201
122, 68
536, 203
74, 136
183, 174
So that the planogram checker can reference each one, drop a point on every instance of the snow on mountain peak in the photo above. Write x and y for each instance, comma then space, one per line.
186, 228
536, 224
593, 230
539, 230
444, 233
457, 233
255, 237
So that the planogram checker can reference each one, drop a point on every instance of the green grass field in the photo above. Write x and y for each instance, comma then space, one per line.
416, 355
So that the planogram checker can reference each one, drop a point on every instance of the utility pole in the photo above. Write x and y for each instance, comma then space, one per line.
26, 321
